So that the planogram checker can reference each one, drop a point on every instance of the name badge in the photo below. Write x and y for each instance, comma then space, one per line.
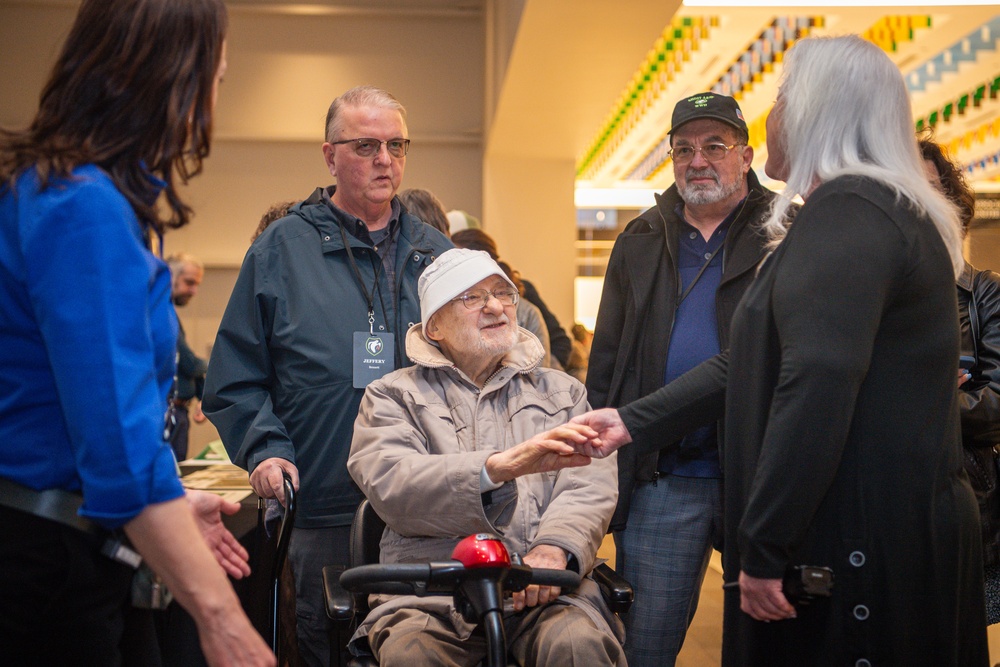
374, 356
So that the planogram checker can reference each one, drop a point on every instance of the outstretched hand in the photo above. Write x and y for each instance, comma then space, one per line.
552, 450
610, 431
208, 509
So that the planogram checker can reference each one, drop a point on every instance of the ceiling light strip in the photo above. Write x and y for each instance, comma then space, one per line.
889, 32
987, 93
667, 57
967, 49
753, 64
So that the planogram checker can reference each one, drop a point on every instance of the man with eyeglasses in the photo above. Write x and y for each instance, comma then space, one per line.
319, 310
673, 281
471, 439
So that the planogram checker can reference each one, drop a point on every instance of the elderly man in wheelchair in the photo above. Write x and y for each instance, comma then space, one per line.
471, 439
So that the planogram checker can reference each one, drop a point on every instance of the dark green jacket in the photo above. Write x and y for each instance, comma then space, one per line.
280, 380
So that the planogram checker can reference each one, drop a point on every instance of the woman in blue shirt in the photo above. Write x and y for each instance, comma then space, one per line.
87, 336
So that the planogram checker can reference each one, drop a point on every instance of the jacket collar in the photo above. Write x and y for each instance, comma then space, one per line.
524, 357
318, 214
965, 278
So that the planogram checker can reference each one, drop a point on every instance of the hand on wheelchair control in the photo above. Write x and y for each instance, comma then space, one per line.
547, 557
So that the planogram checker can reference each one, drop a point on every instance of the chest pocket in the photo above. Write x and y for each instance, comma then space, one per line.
530, 412
446, 427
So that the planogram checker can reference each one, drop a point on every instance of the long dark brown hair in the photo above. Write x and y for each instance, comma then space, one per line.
131, 93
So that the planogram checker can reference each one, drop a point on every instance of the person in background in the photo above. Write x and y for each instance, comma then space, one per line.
830, 460
276, 211
186, 273
528, 314
424, 205
322, 289
579, 357
88, 339
979, 396
560, 345
462, 442
674, 278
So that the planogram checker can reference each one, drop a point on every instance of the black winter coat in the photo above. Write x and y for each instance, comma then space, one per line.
628, 355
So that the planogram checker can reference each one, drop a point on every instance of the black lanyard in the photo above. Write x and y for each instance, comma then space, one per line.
704, 266
699, 274
369, 295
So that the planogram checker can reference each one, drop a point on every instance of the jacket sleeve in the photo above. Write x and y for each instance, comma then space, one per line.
608, 333
419, 492
693, 400
238, 398
583, 500
93, 294
980, 405
188, 363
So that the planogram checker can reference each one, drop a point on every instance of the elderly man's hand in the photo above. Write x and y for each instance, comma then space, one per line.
266, 478
610, 429
208, 509
551, 450
547, 557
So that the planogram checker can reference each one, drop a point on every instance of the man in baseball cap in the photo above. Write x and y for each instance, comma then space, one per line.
672, 284
452, 446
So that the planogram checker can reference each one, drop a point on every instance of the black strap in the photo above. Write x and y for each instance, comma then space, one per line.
52, 504
369, 296
701, 271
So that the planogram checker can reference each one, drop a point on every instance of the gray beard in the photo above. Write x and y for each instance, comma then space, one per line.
703, 195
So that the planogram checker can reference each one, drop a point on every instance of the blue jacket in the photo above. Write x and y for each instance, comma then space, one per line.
280, 380
87, 339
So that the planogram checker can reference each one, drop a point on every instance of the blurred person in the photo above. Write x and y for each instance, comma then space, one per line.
424, 205
528, 314
89, 338
460, 220
673, 281
318, 311
186, 273
275, 211
979, 398
559, 342
842, 446
471, 439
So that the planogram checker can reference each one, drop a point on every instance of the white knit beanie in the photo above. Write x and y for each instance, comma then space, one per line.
453, 272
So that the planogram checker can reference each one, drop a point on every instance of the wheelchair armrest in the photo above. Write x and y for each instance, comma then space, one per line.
615, 590
339, 601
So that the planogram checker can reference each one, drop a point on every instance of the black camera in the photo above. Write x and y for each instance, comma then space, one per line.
804, 583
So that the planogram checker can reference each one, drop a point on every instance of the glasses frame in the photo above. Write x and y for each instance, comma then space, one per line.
378, 149
701, 149
488, 294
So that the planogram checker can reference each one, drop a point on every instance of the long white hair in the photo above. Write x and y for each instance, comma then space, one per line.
846, 111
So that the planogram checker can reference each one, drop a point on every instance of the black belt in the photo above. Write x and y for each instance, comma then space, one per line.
52, 504
63, 507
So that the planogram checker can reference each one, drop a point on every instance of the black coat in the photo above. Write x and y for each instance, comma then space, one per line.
979, 398
842, 446
628, 355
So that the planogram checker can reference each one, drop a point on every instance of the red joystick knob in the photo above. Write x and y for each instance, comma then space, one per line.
481, 550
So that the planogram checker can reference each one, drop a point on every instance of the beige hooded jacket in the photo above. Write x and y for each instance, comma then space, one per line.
421, 439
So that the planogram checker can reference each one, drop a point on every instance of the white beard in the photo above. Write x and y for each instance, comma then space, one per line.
702, 194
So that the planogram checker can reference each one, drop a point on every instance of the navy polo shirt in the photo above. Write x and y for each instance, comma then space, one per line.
695, 338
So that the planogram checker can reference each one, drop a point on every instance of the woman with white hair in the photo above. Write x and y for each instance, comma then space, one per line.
843, 446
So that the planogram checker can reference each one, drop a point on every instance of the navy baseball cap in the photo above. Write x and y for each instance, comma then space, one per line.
708, 105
